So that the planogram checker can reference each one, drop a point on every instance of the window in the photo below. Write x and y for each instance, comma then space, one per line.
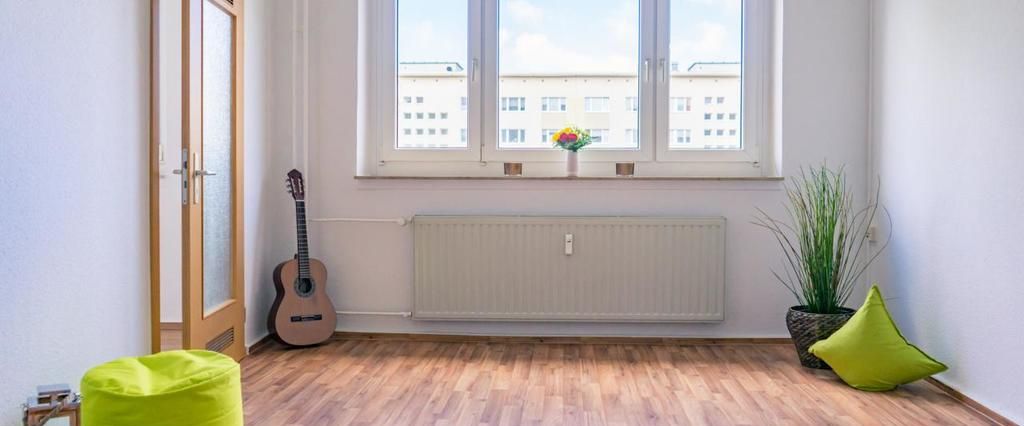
513, 135
632, 137
552, 104
474, 64
680, 137
598, 137
546, 135
595, 104
513, 104
680, 104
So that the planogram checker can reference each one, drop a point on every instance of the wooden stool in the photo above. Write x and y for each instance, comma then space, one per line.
50, 402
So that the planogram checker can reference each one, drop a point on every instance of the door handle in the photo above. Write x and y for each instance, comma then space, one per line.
200, 172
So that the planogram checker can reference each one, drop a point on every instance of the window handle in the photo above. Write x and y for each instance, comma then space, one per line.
661, 69
647, 70
472, 72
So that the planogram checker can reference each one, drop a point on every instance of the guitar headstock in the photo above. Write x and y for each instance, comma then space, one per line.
296, 186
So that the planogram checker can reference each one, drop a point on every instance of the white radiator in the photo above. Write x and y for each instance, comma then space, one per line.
621, 269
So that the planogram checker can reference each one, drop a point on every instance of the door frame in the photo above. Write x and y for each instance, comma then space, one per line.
192, 296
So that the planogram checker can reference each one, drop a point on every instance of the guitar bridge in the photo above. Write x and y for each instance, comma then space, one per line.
306, 318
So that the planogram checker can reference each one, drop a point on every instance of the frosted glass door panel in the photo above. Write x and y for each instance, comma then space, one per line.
218, 139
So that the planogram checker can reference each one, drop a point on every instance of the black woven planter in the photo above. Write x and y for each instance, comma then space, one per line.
807, 328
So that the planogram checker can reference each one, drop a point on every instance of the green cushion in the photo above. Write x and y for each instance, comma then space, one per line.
869, 353
198, 388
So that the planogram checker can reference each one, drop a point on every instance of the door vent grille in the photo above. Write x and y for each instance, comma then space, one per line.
222, 341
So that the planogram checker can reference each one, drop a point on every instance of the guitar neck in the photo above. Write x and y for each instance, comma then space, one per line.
300, 227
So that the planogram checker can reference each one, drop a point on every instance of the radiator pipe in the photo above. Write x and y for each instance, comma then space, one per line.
371, 313
401, 221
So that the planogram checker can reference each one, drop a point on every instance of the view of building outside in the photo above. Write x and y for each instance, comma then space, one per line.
550, 78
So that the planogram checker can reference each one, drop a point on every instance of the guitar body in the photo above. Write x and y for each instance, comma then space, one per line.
302, 314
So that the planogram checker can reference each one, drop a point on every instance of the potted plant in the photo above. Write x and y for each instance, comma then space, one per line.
825, 242
572, 139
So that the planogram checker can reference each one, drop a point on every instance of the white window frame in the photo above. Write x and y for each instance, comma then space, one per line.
483, 102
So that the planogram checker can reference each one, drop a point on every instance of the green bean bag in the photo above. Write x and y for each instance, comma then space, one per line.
195, 388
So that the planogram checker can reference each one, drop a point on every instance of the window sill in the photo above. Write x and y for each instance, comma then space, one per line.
580, 178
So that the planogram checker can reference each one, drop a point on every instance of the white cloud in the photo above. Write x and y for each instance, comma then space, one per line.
731, 6
533, 52
711, 44
525, 11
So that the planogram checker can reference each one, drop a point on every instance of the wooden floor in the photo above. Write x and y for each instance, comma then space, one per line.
423, 382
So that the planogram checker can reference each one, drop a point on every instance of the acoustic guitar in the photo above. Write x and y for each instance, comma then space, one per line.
302, 314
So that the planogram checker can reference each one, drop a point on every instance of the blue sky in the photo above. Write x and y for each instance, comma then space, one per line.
570, 35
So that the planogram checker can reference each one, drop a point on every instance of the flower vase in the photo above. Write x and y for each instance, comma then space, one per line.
572, 164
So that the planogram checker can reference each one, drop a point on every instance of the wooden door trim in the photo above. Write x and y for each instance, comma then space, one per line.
154, 176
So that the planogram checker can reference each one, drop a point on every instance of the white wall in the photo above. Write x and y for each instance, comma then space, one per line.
74, 105
170, 138
824, 96
266, 223
947, 100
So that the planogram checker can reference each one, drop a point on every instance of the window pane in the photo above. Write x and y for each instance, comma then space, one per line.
582, 72
433, 89
706, 52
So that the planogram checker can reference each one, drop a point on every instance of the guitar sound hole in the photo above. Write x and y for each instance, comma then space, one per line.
304, 287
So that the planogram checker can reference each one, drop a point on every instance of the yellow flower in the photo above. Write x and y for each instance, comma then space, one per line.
556, 136
567, 130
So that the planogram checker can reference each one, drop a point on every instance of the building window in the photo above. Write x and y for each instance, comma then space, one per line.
679, 137
632, 103
598, 136
513, 135
513, 104
477, 69
552, 104
546, 135
632, 137
680, 104
592, 104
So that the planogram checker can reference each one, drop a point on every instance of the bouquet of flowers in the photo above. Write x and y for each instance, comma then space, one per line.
571, 139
